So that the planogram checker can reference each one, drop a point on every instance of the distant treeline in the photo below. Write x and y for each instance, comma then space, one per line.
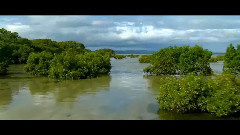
64, 60
45, 57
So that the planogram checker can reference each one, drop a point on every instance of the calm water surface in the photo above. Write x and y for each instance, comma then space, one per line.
124, 94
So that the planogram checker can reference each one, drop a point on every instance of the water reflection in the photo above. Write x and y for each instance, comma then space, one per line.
217, 67
125, 94
9, 86
5, 95
23, 96
153, 84
68, 90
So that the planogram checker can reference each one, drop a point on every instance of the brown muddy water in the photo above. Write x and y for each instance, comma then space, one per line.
125, 94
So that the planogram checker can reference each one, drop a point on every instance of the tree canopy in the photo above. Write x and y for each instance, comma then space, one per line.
45, 57
180, 60
232, 60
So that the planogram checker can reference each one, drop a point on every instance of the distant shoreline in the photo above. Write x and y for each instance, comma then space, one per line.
147, 52
151, 53
132, 53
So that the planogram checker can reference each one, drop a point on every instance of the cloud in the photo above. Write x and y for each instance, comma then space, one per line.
19, 27
130, 31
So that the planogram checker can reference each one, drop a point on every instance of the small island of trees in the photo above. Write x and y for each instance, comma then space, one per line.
197, 89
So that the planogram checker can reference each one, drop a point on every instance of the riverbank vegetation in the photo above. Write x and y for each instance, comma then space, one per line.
73, 62
217, 58
5, 58
133, 55
118, 56
108, 52
219, 94
73, 65
232, 60
44, 57
145, 59
180, 60
215, 94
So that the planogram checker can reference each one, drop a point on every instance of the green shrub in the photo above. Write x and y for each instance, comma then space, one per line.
183, 60
116, 56
21, 53
64, 45
5, 58
163, 62
133, 55
3, 68
180, 94
195, 60
145, 59
8, 37
70, 65
219, 95
232, 60
38, 63
40, 45
108, 52
217, 58
225, 97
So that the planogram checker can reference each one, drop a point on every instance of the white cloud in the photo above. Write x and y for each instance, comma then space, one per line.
154, 34
127, 30
18, 27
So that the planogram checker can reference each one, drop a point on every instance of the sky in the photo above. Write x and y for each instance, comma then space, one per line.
130, 32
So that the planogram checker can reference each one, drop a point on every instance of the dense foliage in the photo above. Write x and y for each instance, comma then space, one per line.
67, 59
217, 58
21, 51
133, 55
39, 63
118, 56
145, 59
20, 47
5, 58
7, 40
8, 37
219, 95
73, 65
232, 60
108, 52
180, 60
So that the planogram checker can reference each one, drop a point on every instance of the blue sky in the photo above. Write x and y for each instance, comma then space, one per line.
130, 32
